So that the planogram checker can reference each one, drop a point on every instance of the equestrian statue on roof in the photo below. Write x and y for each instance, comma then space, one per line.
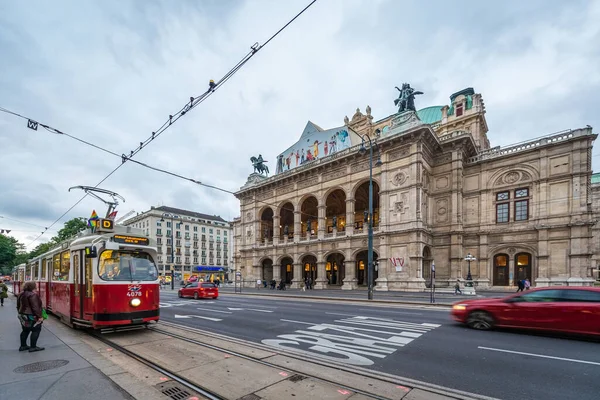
259, 165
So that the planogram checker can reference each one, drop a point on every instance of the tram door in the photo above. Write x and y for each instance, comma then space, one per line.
49, 273
78, 293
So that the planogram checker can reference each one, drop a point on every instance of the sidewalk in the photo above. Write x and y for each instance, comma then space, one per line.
58, 372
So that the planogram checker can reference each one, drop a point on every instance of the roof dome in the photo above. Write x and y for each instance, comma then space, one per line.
430, 115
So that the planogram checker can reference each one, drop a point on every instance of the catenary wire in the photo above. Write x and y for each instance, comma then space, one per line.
194, 102
195, 181
145, 165
21, 222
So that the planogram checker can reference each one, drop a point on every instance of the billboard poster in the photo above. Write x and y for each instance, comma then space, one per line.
315, 143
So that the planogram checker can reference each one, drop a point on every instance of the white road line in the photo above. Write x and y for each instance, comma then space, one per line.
208, 309
342, 314
391, 312
298, 322
540, 355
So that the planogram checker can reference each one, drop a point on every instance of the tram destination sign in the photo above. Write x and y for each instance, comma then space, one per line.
131, 240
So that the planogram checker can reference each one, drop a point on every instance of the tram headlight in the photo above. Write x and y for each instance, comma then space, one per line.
135, 302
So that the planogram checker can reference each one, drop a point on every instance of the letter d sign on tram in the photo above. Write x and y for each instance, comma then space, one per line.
106, 225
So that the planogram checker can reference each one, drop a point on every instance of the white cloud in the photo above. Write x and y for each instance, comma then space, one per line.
111, 73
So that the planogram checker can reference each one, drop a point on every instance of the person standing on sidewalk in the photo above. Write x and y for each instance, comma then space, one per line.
3, 293
29, 306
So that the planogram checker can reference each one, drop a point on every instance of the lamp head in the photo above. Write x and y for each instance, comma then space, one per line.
362, 150
378, 163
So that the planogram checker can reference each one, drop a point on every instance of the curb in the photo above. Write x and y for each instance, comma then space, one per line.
433, 305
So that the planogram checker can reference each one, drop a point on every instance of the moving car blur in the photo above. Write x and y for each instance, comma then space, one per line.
557, 309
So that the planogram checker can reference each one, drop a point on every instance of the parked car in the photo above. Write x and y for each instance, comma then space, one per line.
199, 290
558, 309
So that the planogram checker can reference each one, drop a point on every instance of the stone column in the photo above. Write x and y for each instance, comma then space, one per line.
276, 229
321, 281
277, 272
321, 222
297, 276
350, 216
297, 226
350, 280
381, 283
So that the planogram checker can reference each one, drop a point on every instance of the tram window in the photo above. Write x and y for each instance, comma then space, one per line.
88, 277
76, 273
126, 266
55, 267
36, 271
63, 267
44, 266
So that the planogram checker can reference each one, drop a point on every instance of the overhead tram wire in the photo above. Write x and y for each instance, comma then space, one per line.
194, 102
164, 171
21, 222
197, 182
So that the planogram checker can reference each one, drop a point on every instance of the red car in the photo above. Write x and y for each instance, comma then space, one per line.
560, 309
199, 290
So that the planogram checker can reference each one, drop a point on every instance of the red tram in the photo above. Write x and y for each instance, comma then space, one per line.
106, 279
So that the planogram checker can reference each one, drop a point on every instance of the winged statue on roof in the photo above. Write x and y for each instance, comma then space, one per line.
406, 98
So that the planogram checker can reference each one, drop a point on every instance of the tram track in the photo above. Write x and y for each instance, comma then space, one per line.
290, 372
357, 372
292, 366
200, 390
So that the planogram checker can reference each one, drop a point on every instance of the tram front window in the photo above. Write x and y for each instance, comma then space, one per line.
126, 266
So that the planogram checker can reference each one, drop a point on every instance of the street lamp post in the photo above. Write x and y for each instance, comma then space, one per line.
432, 283
172, 216
469, 289
369, 215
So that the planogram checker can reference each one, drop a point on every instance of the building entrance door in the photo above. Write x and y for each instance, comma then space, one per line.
501, 270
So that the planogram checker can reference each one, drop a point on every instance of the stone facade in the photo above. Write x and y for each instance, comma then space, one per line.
524, 211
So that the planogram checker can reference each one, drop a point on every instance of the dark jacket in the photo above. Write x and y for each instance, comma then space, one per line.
29, 303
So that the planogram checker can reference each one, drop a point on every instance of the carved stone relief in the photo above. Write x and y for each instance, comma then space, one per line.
336, 173
285, 189
398, 207
441, 183
399, 153
513, 177
442, 210
444, 159
399, 178
248, 216
360, 166
313, 180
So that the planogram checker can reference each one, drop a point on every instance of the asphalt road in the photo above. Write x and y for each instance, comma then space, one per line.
416, 342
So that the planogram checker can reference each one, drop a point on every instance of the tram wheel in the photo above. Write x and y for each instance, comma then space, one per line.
195, 295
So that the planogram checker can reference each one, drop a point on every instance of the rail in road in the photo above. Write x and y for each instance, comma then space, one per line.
316, 366
218, 367
289, 372
194, 390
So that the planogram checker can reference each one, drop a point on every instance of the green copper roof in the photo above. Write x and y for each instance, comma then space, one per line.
430, 115
596, 178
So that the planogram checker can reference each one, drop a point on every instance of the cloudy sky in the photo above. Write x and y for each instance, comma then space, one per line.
110, 72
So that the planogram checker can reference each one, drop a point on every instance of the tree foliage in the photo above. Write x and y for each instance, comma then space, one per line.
13, 253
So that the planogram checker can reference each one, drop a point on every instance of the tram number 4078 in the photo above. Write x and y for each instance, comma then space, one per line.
134, 294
